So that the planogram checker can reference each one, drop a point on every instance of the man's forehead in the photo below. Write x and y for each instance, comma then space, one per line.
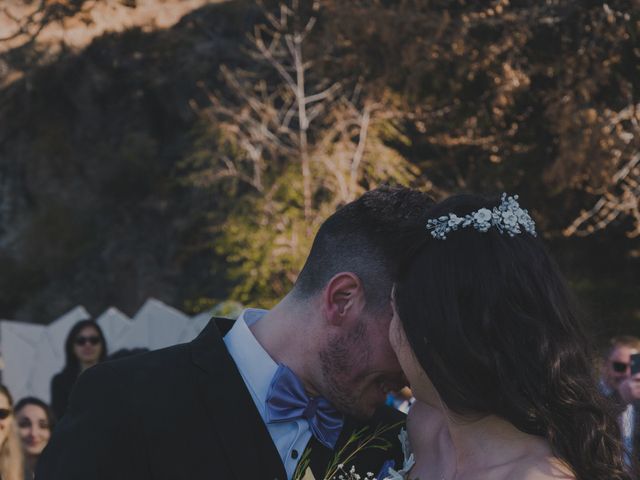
623, 351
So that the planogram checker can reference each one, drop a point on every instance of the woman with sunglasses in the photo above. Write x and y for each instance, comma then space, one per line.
11, 463
35, 422
85, 347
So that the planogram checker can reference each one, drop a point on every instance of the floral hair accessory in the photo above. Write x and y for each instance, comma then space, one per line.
507, 218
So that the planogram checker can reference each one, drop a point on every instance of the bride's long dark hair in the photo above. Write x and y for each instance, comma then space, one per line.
495, 328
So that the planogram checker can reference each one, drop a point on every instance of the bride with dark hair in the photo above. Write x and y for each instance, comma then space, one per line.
490, 340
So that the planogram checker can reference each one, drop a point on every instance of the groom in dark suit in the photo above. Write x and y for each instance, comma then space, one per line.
259, 397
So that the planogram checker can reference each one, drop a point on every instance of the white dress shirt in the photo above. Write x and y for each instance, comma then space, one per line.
627, 420
627, 425
257, 369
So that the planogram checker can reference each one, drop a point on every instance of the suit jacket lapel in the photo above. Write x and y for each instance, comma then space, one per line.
320, 456
242, 432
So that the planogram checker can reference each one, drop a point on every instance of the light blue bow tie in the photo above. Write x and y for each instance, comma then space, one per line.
287, 401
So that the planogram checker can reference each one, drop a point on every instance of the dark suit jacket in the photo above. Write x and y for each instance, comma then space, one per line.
181, 413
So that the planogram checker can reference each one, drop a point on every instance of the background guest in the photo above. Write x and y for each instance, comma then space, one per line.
11, 462
623, 388
401, 400
35, 421
85, 346
617, 358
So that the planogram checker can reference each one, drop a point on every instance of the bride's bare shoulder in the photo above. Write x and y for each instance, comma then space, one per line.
542, 468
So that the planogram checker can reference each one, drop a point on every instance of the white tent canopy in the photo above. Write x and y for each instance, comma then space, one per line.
32, 354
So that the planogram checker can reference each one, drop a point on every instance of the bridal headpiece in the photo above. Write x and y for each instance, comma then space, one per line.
508, 218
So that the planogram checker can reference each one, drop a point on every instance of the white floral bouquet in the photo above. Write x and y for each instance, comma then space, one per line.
359, 441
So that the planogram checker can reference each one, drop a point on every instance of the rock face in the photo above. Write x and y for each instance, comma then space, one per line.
51, 26
101, 109
77, 23
91, 140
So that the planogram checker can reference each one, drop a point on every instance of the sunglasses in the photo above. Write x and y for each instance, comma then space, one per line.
619, 367
4, 413
93, 340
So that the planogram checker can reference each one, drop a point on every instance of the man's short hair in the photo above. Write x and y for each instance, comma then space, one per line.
369, 237
622, 341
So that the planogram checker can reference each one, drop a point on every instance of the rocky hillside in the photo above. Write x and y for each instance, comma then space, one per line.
91, 208
104, 111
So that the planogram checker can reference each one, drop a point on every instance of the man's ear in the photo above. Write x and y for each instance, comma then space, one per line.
343, 298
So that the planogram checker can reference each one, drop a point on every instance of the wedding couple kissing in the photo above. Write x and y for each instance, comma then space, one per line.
457, 299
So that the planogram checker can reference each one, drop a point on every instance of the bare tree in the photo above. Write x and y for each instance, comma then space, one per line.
28, 19
282, 127
297, 117
621, 198
620, 192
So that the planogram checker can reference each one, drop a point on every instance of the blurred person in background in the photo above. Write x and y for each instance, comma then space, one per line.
11, 461
617, 363
401, 400
35, 422
618, 384
85, 347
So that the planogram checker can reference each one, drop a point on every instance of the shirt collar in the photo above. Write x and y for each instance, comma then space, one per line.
254, 363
